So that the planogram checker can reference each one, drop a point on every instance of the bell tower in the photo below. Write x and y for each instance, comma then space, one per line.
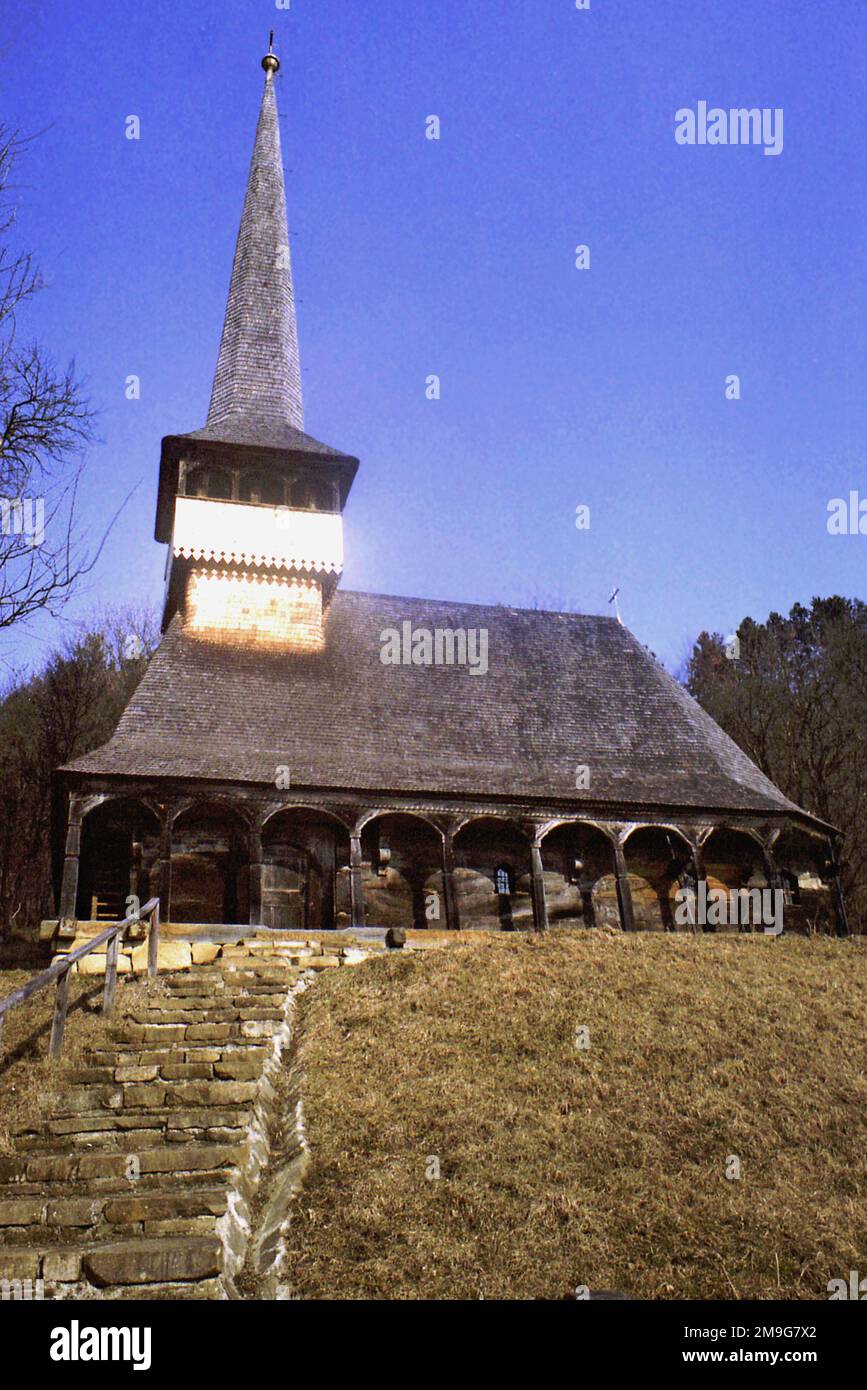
249, 505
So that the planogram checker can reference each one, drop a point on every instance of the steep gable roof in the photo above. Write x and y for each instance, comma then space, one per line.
561, 691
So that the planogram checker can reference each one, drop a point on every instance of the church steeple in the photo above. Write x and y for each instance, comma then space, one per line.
258, 377
250, 505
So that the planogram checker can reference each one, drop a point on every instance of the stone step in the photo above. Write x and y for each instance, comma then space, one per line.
182, 1093
59, 1164
175, 1034
148, 1151
235, 999
133, 1055
110, 1265
150, 1094
142, 1126
147, 1183
215, 1013
74, 1217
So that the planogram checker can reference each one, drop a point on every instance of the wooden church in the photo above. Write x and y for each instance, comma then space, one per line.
275, 769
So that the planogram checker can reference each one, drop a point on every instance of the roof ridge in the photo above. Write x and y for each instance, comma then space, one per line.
486, 607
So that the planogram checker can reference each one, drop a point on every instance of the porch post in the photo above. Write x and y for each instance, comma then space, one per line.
356, 883
624, 892
453, 921
540, 907
69, 884
165, 893
700, 884
256, 877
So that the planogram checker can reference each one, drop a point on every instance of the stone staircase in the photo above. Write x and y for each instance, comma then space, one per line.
140, 1183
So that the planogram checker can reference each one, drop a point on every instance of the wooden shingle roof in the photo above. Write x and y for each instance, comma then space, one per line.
561, 691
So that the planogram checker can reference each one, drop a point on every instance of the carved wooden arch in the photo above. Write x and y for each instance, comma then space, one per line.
746, 831
302, 806
545, 829
514, 821
259, 470
90, 803
370, 816
222, 803
665, 826
209, 466
808, 832
820, 844
100, 799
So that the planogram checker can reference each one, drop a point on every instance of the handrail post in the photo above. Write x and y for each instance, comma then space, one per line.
58, 1023
154, 942
110, 976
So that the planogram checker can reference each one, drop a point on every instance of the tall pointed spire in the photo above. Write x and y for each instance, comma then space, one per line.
257, 384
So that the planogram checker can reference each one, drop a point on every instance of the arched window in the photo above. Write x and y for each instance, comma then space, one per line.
219, 484
322, 497
209, 482
263, 487
299, 494
196, 484
503, 882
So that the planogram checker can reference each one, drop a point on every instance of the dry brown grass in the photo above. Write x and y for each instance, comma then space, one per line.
30, 1081
604, 1167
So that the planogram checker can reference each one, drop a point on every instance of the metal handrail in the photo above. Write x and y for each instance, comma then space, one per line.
61, 968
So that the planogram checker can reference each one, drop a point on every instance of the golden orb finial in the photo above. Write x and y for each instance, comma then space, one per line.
271, 62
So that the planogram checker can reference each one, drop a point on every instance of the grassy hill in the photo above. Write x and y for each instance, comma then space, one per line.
562, 1165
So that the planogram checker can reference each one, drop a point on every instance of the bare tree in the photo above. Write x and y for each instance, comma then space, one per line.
44, 424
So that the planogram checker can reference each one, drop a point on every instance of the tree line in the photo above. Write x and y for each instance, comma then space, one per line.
67, 709
792, 692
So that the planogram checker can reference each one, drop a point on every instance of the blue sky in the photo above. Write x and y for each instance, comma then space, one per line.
559, 387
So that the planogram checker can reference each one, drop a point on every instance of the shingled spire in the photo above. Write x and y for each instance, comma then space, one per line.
250, 505
257, 384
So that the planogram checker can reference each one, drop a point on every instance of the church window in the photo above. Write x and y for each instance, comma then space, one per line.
503, 882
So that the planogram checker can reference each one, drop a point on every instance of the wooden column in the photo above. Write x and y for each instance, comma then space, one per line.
256, 877
165, 892
356, 883
453, 920
69, 884
624, 892
540, 907
700, 883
